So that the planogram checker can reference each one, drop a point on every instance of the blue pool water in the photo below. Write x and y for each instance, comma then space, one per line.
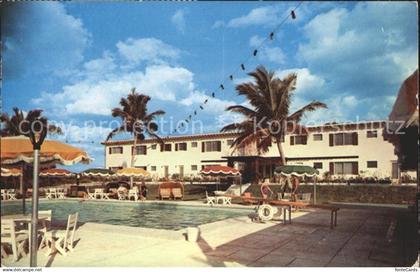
148, 215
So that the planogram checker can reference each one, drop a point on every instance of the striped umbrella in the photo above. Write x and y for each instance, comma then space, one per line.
10, 172
54, 172
97, 172
221, 171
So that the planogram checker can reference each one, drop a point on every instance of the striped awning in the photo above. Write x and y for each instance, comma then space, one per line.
218, 170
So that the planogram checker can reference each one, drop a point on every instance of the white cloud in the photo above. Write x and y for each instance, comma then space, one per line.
218, 24
267, 53
214, 105
28, 28
178, 19
306, 81
150, 50
364, 50
267, 15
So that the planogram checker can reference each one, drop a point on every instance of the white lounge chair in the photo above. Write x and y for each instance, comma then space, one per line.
165, 193
17, 240
63, 240
210, 200
177, 193
121, 195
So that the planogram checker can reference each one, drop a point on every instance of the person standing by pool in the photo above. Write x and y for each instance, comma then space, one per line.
143, 191
265, 189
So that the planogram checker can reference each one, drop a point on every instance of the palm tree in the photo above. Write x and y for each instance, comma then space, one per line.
19, 123
136, 120
269, 119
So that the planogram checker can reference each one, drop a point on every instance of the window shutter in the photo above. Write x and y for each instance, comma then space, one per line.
202, 147
109, 151
331, 167
305, 140
355, 138
331, 139
292, 140
176, 147
219, 146
161, 147
355, 168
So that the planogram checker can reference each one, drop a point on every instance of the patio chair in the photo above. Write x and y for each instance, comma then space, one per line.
63, 240
305, 197
177, 193
165, 193
60, 193
121, 195
90, 195
133, 193
210, 200
11, 194
45, 226
15, 239
3, 194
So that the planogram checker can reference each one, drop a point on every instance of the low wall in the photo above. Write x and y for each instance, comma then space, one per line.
383, 194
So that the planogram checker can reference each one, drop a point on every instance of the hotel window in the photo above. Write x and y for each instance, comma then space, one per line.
372, 134
318, 165
116, 150
154, 146
230, 142
140, 150
211, 146
115, 168
344, 168
194, 144
343, 139
153, 168
298, 140
372, 164
194, 167
317, 137
165, 147
181, 146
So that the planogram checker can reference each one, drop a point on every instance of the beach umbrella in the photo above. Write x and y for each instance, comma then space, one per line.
222, 171
35, 149
55, 172
11, 172
132, 172
97, 172
299, 171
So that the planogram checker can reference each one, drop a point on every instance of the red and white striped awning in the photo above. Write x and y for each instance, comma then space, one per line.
219, 170
54, 172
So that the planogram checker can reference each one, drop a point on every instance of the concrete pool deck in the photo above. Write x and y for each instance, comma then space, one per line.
362, 238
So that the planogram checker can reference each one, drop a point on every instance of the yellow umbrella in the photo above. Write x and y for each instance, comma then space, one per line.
132, 172
20, 149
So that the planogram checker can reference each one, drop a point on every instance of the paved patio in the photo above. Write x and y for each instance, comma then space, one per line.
363, 237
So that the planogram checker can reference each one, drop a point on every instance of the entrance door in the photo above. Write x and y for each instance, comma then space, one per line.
166, 171
181, 171
395, 170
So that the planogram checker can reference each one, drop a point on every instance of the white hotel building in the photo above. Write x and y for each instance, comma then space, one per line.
343, 150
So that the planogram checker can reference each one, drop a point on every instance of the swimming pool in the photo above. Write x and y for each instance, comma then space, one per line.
147, 215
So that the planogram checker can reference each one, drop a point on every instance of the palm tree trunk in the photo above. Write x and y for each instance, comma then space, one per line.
281, 152
133, 152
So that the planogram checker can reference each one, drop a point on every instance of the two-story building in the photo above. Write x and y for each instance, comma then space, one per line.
341, 150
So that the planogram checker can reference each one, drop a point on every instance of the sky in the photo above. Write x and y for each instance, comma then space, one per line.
75, 60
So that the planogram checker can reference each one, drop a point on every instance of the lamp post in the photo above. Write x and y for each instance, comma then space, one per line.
37, 135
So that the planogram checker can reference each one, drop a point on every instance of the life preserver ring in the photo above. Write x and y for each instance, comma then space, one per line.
266, 212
